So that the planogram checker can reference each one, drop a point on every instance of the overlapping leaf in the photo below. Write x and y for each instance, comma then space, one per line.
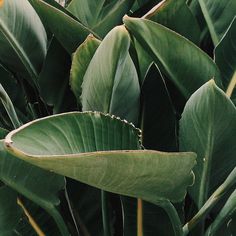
22, 38
111, 82
184, 63
66, 143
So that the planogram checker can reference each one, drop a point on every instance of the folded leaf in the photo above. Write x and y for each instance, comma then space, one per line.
66, 143
177, 56
111, 85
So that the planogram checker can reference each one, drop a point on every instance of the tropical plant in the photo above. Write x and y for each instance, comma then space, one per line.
117, 125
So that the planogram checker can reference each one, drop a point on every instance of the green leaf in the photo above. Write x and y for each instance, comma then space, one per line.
10, 212
151, 175
226, 213
225, 56
100, 16
177, 16
80, 63
111, 85
36, 184
54, 78
69, 32
188, 70
7, 103
22, 37
208, 127
218, 15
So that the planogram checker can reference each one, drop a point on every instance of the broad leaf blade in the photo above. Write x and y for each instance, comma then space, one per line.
69, 32
100, 16
208, 127
166, 47
177, 16
218, 15
22, 37
225, 55
124, 172
111, 85
80, 63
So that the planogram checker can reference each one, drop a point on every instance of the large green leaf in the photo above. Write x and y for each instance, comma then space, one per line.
66, 144
100, 16
208, 127
111, 85
69, 31
22, 38
38, 185
10, 212
80, 63
188, 70
177, 16
225, 56
218, 15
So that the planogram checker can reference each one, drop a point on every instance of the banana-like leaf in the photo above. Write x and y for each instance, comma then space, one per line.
80, 63
36, 184
22, 37
66, 29
66, 143
225, 56
100, 16
3, 133
177, 16
188, 70
218, 15
208, 127
111, 84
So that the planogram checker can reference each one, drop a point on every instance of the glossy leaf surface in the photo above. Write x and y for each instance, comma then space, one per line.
67, 143
181, 68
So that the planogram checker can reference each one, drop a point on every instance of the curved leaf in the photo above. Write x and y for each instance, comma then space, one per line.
69, 32
188, 70
225, 55
208, 127
36, 184
63, 139
100, 16
111, 85
22, 37
80, 63
218, 15
177, 16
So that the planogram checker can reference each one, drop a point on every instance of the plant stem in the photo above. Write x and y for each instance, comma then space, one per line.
105, 214
30, 218
231, 86
174, 218
211, 202
139, 217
